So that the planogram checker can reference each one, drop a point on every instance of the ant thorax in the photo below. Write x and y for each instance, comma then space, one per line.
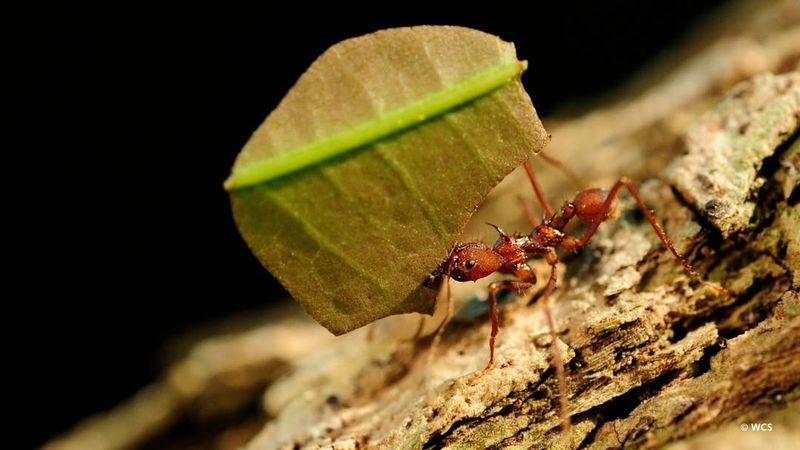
511, 248
542, 238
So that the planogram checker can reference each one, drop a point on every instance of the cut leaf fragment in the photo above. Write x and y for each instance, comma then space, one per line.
356, 186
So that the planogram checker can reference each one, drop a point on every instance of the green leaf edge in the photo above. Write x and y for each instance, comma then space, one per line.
371, 130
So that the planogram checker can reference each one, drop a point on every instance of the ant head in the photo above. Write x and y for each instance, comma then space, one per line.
473, 261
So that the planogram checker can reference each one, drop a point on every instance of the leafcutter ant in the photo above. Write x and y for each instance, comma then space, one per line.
471, 261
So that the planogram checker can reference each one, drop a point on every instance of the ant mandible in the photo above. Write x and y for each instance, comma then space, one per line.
471, 261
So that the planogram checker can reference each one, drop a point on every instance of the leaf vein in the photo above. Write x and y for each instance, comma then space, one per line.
405, 177
456, 127
324, 242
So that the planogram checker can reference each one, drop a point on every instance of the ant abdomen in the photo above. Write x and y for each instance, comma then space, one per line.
589, 205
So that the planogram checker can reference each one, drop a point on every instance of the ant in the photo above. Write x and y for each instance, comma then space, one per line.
471, 261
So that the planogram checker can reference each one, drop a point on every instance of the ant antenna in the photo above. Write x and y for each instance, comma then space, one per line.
499, 230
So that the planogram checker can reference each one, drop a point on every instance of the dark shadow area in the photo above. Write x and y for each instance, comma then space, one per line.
135, 241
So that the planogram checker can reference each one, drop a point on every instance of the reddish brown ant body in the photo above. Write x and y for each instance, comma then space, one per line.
471, 261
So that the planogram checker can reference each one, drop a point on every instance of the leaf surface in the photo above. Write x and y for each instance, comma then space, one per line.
357, 185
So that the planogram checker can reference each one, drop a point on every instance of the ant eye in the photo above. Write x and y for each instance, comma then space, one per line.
470, 264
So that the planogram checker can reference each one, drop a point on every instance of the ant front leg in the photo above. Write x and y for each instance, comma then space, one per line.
437, 337
509, 285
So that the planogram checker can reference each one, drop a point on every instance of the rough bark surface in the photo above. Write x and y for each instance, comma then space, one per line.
653, 358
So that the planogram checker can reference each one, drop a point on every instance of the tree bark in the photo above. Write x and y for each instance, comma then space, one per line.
653, 358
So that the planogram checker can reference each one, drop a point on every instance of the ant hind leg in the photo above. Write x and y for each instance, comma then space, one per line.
597, 210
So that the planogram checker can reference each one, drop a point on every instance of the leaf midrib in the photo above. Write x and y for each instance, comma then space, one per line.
368, 131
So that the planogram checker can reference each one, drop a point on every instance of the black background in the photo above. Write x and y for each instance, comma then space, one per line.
133, 240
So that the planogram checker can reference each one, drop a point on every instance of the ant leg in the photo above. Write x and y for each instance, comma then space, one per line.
509, 285
438, 337
526, 211
562, 167
602, 213
440, 330
418, 333
537, 189
557, 362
